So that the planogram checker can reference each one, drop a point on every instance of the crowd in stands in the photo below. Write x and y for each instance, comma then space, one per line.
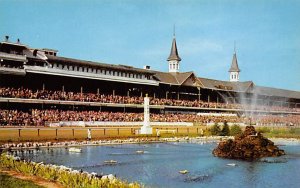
277, 120
42, 117
101, 98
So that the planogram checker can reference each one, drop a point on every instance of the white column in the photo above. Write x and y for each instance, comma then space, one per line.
146, 128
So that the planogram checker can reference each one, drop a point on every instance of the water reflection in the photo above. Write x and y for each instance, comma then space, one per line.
159, 165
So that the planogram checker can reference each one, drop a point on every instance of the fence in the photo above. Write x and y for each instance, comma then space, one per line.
80, 133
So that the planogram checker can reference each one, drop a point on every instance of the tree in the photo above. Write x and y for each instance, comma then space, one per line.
225, 130
215, 129
235, 130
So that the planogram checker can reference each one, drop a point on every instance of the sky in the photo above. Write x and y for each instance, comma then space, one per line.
140, 32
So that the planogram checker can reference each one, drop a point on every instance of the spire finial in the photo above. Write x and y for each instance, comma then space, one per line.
234, 48
174, 34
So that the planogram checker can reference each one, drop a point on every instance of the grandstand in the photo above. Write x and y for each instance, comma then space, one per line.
38, 85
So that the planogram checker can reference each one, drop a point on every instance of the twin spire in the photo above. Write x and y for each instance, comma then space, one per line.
174, 52
174, 58
174, 61
234, 65
234, 71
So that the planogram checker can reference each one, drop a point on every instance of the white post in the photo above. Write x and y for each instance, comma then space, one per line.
146, 128
89, 133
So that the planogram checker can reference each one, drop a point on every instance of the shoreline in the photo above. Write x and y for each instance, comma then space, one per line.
68, 144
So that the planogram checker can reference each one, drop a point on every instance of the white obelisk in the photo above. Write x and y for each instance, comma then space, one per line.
146, 128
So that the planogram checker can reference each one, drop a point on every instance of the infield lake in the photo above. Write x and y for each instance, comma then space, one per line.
160, 164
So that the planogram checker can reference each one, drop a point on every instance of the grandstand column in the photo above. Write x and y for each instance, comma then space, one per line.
114, 92
63, 88
208, 98
128, 94
199, 93
98, 91
43, 86
167, 94
146, 128
81, 90
177, 95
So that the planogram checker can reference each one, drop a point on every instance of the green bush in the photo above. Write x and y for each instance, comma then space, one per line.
235, 130
215, 130
225, 130
264, 130
294, 131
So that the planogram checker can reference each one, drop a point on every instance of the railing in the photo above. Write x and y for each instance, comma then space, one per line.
167, 131
112, 124
13, 57
44, 101
15, 71
90, 75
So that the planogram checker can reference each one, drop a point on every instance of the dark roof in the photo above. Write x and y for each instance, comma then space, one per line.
268, 91
13, 44
176, 78
234, 65
225, 85
65, 60
174, 52
166, 77
48, 49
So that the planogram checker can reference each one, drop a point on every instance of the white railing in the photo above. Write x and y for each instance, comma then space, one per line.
13, 57
89, 75
110, 123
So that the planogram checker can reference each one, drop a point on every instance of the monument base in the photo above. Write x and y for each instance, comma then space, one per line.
146, 130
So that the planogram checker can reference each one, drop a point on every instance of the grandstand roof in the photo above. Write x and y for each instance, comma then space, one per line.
268, 91
225, 85
172, 78
97, 64
177, 78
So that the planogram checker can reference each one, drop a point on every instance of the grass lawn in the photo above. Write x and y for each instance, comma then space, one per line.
7, 181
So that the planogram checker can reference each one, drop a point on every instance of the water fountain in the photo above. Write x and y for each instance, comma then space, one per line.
249, 145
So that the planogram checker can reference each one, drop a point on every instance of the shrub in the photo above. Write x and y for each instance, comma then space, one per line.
225, 130
264, 130
235, 130
215, 130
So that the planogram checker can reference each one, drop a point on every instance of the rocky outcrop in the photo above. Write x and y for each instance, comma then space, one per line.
249, 145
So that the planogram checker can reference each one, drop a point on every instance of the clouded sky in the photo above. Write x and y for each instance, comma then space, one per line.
137, 33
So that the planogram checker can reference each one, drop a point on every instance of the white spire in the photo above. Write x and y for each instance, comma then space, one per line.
234, 71
174, 58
